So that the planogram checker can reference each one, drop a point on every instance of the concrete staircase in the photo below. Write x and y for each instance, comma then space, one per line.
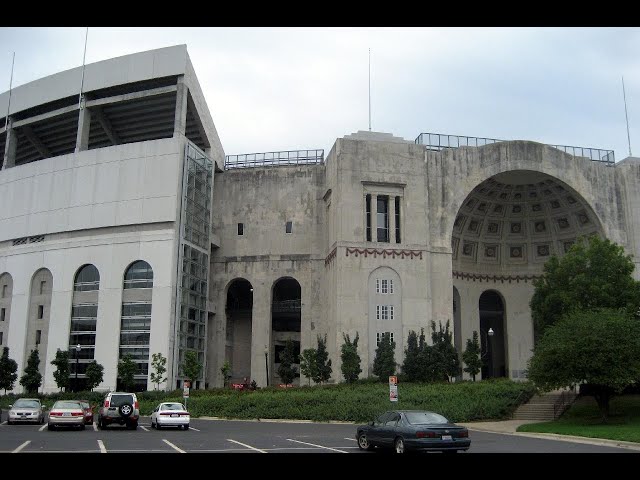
545, 407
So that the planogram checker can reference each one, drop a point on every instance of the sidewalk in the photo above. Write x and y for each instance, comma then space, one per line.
509, 427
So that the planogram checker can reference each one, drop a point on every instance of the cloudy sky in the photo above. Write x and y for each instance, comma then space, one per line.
274, 89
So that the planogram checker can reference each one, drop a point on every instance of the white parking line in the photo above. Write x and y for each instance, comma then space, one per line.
3, 423
352, 439
191, 428
144, 428
22, 446
95, 427
319, 446
245, 445
42, 427
102, 447
173, 446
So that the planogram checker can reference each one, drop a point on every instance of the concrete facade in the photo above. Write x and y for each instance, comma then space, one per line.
382, 235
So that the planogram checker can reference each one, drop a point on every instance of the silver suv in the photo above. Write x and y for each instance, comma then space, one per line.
121, 408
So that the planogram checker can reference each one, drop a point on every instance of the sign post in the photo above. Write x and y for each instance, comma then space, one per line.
185, 391
393, 388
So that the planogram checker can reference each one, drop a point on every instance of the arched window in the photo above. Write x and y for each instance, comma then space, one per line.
87, 279
138, 275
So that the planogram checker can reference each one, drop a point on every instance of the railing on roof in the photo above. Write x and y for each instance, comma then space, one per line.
290, 157
437, 141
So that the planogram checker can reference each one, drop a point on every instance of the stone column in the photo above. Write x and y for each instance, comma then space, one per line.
10, 147
84, 125
180, 124
261, 334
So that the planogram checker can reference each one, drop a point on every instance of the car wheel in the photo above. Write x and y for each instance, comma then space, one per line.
50, 427
399, 445
82, 427
363, 442
125, 409
8, 422
102, 425
153, 425
132, 425
157, 426
186, 427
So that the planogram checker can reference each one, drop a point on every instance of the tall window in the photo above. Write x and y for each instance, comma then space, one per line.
397, 219
38, 336
4, 291
43, 286
139, 275
87, 279
289, 227
1, 339
135, 323
3, 313
383, 219
241, 229
379, 336
368, 215
40, 312
84, 318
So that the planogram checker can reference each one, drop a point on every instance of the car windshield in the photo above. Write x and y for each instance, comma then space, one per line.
26, 404
425, 418
66, 405
118, 400
172, 406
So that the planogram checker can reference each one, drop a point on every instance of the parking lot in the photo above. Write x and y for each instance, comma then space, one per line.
220, 436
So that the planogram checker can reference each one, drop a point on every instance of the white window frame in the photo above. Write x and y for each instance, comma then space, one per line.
377, 285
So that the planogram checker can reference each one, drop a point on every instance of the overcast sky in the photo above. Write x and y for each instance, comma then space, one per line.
274, 89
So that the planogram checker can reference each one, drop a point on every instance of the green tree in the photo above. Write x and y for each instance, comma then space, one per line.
594, 274
126, 370
61, 375
350, 359
94, 375
191, 366
600, 348
384, 363
410, 366
287, 371
471, 356
32, 378
225, 370
446, 355
159, 366
8, 369
308, 364
323, 364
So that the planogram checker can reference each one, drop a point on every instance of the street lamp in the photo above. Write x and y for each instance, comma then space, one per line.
487, 340
78, 348
266, 362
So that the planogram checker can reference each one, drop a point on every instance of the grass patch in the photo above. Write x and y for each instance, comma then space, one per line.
583, 420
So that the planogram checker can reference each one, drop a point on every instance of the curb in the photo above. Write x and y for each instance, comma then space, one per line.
275, 420
602, 442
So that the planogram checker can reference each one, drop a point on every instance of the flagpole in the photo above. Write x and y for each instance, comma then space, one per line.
6, 119
624, 95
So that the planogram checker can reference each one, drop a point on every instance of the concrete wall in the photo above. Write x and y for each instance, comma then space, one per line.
130, 184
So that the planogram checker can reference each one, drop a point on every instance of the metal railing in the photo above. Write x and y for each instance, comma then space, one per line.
283, 306
437, 141
266, 159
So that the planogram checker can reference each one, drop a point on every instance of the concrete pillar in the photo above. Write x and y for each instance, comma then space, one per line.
441, 291
84, 124
261, 334
10, 147
180, 124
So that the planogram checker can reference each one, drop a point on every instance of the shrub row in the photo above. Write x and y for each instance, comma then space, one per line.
360, 402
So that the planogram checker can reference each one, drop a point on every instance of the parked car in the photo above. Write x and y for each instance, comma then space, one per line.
66, 413
170, 414
88, 412
26, 410
405, 430
121, 408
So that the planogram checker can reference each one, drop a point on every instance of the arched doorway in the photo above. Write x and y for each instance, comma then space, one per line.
492, 335
239, 311
286, 309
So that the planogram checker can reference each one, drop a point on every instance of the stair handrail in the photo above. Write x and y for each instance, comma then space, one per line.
559, 404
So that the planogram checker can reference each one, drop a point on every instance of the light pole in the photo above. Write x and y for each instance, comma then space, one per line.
266, 362
78, 348
487, 340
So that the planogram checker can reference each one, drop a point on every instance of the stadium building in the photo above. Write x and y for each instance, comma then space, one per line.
124, 229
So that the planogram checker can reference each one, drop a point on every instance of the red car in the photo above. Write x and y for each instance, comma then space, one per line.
88, 412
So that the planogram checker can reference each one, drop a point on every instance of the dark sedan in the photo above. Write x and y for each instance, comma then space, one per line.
405, 430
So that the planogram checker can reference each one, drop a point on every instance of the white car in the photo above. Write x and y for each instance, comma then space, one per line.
170, 414
66, 413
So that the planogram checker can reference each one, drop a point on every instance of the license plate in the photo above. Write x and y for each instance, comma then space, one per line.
447, 438
175, 415
66, 414
23, 416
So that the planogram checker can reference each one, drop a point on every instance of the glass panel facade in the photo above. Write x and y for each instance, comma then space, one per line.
83, 325
87, 279
139, 275
194, 253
